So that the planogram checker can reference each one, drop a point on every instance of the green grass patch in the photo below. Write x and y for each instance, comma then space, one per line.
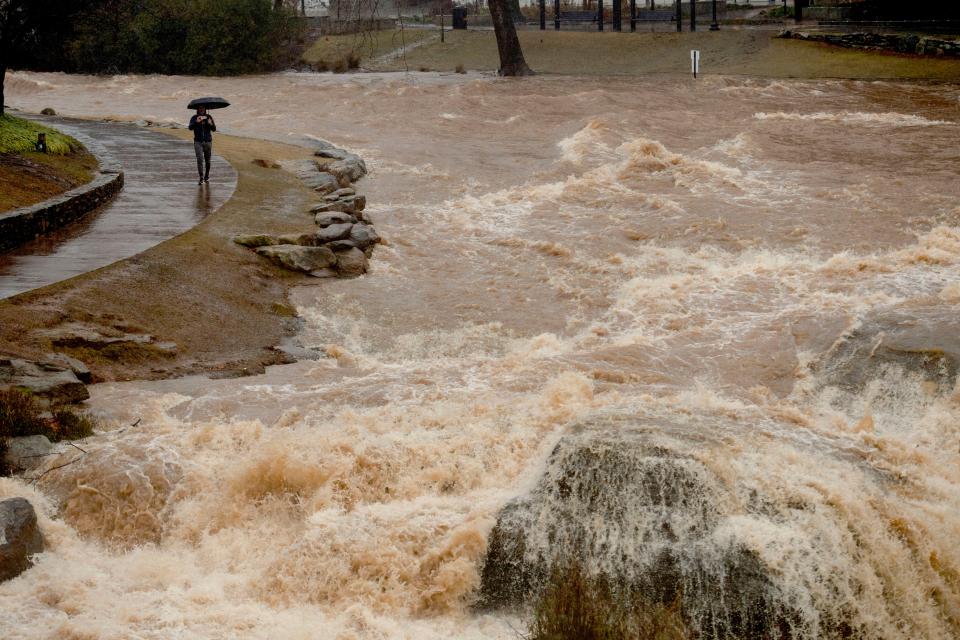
349, 51
20, 136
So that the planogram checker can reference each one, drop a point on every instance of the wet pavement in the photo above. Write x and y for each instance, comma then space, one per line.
160, 199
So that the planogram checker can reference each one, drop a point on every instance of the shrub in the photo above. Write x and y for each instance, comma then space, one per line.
575, 606
460, 68
20, 414
353, 61
69, 425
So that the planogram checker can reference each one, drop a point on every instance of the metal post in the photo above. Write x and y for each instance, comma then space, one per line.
543, 15
714, 26
441, 21
556, 15
599, 15
798, 10
633, 15
693, 15
617, 18
679, 17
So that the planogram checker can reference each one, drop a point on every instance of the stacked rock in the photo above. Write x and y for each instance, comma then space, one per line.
345, 238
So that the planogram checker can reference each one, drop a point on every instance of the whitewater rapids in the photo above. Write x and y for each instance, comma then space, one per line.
557, 249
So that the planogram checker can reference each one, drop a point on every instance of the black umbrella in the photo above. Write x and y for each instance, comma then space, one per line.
209, 103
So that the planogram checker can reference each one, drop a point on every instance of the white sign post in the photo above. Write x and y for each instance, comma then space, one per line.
695, 61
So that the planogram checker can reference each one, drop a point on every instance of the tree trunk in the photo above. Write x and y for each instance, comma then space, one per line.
3, 79
508, 44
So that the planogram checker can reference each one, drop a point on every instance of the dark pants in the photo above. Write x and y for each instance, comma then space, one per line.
203, 150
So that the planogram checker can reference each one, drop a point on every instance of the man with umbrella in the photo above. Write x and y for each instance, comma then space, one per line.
203, 126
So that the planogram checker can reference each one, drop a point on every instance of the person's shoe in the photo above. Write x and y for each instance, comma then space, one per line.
206, 178
201, 181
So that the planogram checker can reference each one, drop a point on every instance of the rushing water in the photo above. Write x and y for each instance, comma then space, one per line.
657, 260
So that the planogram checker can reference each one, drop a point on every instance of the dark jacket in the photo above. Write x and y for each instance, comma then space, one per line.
202, 132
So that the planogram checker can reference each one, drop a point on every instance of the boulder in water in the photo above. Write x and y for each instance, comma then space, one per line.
914, 341
351, 263
26, 453
327, 219
20, 537
334, 232
643, 516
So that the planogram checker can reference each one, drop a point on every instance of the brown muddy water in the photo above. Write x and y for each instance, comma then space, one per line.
679, 255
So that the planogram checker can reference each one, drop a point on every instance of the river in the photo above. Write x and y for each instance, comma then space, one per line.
558, 249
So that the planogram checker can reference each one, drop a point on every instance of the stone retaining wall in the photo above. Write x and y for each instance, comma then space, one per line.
22, 225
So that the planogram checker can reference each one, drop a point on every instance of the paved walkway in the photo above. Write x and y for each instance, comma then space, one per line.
160, 199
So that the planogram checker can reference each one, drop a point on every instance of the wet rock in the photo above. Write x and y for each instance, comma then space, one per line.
334, 232
296, 352
363, 236
321, 182
349, 204
331, 152
346, 191
351, 263
302, 239
325, 273
48, 111
341, 245
324, 183
644, 515
346, 170
26, 453
20, 537
888, 344
63, 360
327, 219
255, 240
297, 258
55, 383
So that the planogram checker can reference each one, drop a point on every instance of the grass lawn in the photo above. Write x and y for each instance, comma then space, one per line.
326, 52
28, 177
751, 52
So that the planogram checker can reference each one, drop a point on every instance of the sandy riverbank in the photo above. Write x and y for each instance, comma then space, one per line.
729, 52
222, 305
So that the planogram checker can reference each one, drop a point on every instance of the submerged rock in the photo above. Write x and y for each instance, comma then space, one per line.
297, 258
20, 537
891, 344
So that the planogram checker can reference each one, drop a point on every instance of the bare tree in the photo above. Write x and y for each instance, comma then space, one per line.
512, 62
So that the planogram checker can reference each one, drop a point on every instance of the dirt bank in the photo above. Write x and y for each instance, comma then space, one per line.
219, 303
